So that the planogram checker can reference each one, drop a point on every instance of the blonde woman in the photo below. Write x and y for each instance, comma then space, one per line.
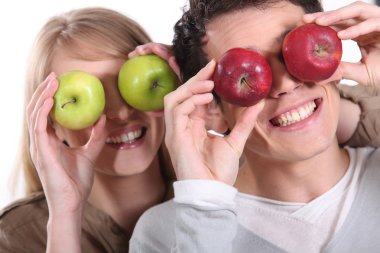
88, 177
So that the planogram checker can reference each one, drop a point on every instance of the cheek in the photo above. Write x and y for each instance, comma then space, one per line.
157, 130
260, 142
231, 114
333, 105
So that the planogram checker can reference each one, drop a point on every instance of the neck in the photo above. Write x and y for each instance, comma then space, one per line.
125, 198
300, 181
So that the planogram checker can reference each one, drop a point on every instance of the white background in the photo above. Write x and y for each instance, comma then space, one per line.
19, 23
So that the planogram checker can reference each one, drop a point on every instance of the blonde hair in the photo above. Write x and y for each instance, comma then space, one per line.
111, 34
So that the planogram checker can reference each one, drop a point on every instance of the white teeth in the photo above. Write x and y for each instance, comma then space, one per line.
125, 138
303, 113
294, 116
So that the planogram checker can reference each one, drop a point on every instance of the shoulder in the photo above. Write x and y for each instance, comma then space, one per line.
24, 211
162, 215
23, 225
155, 228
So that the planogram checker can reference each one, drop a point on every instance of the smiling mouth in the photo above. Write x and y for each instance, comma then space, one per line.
295, 115
127, 138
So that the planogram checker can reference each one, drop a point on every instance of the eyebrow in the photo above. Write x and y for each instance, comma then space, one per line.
278, 39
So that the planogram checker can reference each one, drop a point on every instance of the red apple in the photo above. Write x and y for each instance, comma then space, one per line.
242, 77
312, 52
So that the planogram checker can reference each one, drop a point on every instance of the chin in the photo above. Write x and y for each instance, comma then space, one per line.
306, 152
292, 148
124, 165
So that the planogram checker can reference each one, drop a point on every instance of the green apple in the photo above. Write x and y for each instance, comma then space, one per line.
79, 100
145, 80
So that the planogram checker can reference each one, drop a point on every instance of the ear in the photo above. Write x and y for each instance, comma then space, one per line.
215, 118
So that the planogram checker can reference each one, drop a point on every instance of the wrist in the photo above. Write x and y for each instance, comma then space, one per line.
64, 230
206, 193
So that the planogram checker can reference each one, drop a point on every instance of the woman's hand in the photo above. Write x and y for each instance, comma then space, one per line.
359, 22
195, 153
162, 50
66, 173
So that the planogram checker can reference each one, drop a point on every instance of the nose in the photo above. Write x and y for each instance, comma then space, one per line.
282, 82
119, 114
117, 109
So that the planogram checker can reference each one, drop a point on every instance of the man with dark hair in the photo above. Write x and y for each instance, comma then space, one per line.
190, 30
279, 181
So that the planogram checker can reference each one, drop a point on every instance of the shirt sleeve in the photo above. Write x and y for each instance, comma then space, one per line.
367, 132
206, 220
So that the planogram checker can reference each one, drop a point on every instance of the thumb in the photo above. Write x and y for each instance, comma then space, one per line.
244, 126
355, 72
97, 138
336, 77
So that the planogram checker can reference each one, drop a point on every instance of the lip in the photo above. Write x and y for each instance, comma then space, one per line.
302, 123
128, 145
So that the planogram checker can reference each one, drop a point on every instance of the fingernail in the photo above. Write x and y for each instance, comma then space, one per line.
53, 82
210, 62
309, 15
50, 76
342, 34
321, 20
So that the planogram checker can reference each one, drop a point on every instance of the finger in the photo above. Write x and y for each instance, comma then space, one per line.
39, 100
243, 127
336, 77
356, 72
40, 137
189, 106
42, 116
359, 10
161, 50
199, 83
97, 138
196, 85
338, 26
179, 96
311, 17
183, 93
141, 50
46, 94
205, 73
152, 48
37, 93
181, 114
363, 28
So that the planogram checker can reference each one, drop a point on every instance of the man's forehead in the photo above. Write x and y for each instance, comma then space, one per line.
261, 30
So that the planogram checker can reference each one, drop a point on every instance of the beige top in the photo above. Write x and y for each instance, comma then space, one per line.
368, 130
23, 228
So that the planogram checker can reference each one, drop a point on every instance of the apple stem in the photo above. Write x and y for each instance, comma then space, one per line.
244, 82
155, 84
73, 100
321, 51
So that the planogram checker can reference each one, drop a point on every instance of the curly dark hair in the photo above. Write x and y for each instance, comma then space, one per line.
190, 28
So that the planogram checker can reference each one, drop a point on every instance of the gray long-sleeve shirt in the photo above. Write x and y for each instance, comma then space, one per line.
189, 227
